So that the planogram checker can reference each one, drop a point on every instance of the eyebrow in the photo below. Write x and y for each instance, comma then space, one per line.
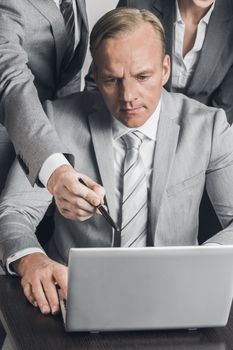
108, 74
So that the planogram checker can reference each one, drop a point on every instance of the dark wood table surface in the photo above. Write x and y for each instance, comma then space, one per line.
28, 329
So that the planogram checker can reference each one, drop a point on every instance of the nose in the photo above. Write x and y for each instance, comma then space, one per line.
128, 91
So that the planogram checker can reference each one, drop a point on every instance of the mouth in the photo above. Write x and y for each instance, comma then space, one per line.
131, 110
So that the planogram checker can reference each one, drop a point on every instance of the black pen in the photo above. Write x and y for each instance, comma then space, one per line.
103, 211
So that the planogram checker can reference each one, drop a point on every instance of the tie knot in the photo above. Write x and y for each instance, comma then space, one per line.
133, 139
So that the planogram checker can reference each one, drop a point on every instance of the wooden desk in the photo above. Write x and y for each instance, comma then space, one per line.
28, 330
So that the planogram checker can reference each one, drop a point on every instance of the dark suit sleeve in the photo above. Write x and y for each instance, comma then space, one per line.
223, 96
20, 109
219, 177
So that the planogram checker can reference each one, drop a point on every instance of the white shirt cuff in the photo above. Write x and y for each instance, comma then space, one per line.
50, 165
19, 255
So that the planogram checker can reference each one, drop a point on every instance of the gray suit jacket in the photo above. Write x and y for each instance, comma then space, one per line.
32, 44
194, 148
212, 81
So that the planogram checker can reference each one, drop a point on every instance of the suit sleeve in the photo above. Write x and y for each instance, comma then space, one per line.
22, 207
21, 112
223, 96
219, 178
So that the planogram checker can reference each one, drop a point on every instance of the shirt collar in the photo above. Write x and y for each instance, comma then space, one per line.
205, 19
178, 15
149, 128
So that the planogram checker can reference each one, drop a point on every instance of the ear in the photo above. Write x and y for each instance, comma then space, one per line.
166, 69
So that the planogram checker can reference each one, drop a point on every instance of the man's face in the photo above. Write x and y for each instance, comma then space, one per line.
130, 72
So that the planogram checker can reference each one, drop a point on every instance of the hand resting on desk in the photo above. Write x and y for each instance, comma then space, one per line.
39, 277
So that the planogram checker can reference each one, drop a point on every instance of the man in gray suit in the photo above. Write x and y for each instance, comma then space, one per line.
199, 36
153, 189
43, 45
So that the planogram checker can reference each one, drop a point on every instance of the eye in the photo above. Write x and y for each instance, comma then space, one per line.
143, 77
110, 80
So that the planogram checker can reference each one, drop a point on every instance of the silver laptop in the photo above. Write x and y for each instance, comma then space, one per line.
115, 289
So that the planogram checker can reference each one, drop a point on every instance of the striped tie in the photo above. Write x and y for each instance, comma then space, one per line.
66, 8
135, 195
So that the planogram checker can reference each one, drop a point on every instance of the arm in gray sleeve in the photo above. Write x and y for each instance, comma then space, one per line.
22, 207
21, 111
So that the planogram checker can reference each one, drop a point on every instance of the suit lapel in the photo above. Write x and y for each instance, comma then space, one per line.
101, 132
165, 11
218, 27
80, 51
167, 138
50, 11
81, 7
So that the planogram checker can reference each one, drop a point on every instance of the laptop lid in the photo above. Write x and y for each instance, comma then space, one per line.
149, 288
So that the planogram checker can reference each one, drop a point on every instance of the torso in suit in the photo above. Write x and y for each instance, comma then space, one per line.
33, 42
194, 148
212, 80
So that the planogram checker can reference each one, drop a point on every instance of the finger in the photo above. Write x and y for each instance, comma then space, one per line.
93, 185
100, 191
61, 277
74, 216
89, 195
79, 204
39, 297
50, 292
76, 192
28, 294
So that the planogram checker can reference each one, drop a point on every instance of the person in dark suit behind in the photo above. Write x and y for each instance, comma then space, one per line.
152, 151
199, 36
42, 49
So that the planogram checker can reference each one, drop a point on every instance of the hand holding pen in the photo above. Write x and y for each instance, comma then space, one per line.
74, 200
77, 196
103, 211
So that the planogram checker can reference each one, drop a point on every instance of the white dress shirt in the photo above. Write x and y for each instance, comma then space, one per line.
183, 67
57, 159
149, 129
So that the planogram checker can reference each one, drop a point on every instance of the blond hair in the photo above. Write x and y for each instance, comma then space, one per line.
124, 20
